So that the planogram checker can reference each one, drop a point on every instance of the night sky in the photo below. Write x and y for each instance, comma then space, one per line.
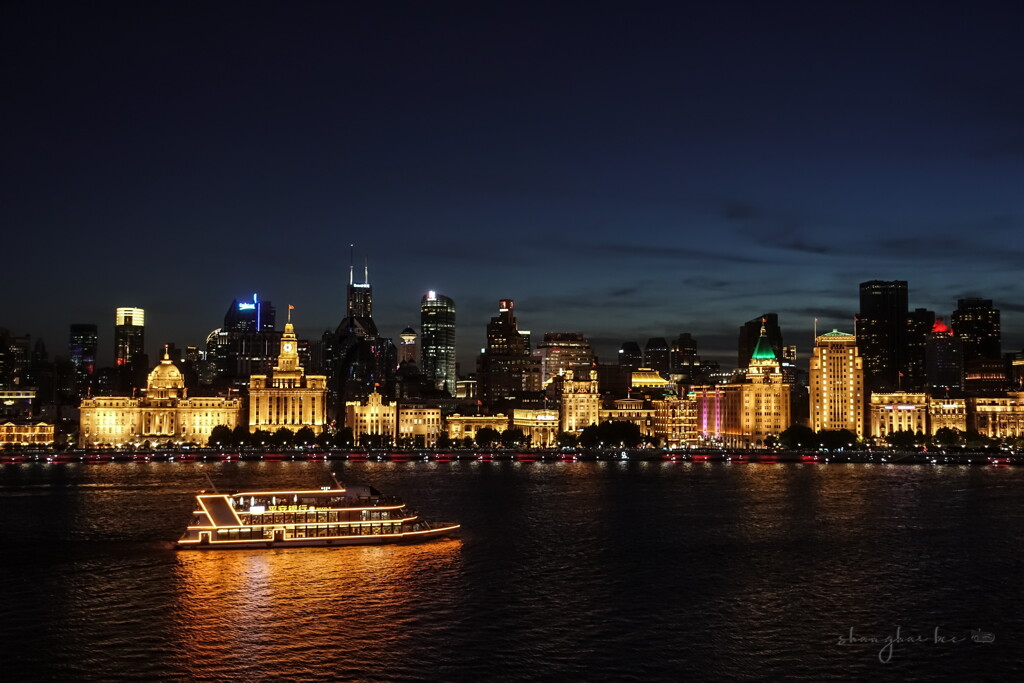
626, 170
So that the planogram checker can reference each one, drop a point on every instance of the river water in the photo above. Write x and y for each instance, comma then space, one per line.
563, 571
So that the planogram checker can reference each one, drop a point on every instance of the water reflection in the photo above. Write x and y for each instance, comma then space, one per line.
242, 611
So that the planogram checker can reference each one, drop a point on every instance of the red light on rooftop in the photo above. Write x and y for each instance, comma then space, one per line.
941, 328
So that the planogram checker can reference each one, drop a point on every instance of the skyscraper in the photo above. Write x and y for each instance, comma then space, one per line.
437, 343
920, 322
838, 397
407, 346
882, 332
944, 361
977, 325
657, 356
246, 344
561, 351
129, 335
505, 370
630, 355
82, 343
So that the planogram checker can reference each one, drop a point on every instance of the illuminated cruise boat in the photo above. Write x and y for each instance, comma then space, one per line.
353, 515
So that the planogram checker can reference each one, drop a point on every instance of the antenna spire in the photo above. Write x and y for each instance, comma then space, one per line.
351, 265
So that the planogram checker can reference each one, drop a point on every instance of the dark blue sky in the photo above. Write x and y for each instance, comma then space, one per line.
626, 170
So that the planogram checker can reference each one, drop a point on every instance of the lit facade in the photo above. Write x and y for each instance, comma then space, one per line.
437, 343
374, 418
675, 421
560, 351
580, 404
631, 410
129, 334
24, 434
460, 426
288, 398
164, 413
949, 413
750, 413
899, 412
837, 384
998, 417
540, 426
418, 425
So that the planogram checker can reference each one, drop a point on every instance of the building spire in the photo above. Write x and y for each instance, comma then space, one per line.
351, 264
366, 270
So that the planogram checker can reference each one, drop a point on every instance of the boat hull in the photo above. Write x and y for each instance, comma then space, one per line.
440, 531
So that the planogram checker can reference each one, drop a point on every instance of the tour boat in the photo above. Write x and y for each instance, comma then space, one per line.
353, 515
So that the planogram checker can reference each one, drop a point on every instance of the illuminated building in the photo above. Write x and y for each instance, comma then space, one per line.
580, 402
882, 333
357, 360
163, 414
675, 421
997, 417
505, 370
977, 325
407, 346
950, 413
246, 345
838, 398
560, 351
649, 382
657, 356
899, 412
25, 433
750, 337
437, 346
539, 426
288, 398
685, 361
944, 361
374, 418
460, 427
418, 425
82, 344
632, 410
749, 413
129, 335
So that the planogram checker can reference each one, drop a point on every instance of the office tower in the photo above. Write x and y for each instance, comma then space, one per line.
561, 351
287, 397
882, 332
685, 360
920, 322
246, 344
750, 337
357, 360
437, 345
631, 356
407, 351
82, 344
657, 356
977, 325
944, 361
505, 370
838, 397
129, 335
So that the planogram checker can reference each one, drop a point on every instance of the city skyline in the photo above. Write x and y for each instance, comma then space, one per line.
624, 173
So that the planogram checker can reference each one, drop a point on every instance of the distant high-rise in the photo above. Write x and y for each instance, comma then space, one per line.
657, 355
561, 351
82, 344
505, 370
920, 322
977, 325
838, 397
944, 361
631, 356
437, 344
129, 335
750, 337
247, 343
882, 332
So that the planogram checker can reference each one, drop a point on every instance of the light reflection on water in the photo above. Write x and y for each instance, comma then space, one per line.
240, 609
576, 571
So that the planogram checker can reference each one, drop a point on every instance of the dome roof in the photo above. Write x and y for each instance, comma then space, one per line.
165, 375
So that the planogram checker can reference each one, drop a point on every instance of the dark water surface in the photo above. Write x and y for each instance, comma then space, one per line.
564, 571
